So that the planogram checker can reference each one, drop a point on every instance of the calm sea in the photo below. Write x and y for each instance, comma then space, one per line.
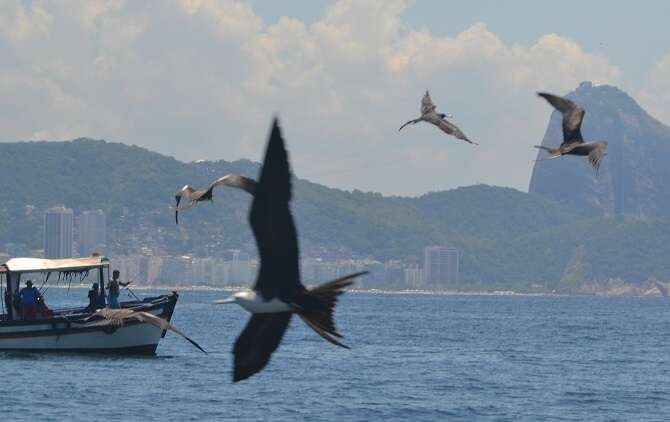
414, 357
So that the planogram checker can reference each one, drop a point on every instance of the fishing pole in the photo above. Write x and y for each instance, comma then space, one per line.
131, 292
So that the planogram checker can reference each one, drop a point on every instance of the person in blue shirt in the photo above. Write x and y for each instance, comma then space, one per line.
115, 289
29, 296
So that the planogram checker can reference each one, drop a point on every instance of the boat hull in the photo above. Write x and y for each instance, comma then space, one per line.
66, 334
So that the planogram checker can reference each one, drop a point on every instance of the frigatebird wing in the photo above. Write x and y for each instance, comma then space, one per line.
117, 318
273, 226
259, 339
233, 180
427, 105
163, 324
572, 117
448, 127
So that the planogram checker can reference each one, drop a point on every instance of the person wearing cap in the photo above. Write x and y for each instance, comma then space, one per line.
29, 296
115, 290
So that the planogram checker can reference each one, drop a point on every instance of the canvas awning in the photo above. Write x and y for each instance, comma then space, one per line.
38, 265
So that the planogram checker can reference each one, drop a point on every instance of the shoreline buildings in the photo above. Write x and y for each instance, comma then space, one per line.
92, 233
58, 236
441, 266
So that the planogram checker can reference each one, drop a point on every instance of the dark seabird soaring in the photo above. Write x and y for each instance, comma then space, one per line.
428, 114
573, 143
278, 292
191, 196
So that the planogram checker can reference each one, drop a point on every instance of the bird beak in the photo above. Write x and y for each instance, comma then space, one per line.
224, 301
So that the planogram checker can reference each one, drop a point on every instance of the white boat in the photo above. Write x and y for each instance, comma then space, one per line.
71, 330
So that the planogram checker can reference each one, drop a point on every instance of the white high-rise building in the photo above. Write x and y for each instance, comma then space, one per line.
240, 268
58, 222
92, 232
441, 266
414, 277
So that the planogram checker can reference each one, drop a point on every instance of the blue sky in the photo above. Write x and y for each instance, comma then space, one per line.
201, 79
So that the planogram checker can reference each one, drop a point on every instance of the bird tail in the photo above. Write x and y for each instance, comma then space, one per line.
318, 307
551, 151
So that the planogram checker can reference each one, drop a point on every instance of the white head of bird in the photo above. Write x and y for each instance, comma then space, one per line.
253, 302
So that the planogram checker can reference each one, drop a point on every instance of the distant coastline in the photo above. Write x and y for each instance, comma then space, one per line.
623, 291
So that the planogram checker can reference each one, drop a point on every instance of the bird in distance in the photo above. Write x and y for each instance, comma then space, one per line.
429, 115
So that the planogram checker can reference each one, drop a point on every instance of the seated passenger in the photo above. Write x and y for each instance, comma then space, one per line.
8, 300
28, 296
94, 298
42, 308
101, 299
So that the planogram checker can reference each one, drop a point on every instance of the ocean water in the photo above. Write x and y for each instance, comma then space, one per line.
414, 357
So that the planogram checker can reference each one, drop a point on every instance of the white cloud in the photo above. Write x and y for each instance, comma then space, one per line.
203, 78
19, 22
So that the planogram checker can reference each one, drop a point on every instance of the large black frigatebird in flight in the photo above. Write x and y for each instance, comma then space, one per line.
573, 142
278, 292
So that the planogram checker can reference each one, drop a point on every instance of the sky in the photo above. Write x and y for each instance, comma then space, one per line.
202, 79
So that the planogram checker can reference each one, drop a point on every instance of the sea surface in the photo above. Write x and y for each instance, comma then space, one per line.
414, 357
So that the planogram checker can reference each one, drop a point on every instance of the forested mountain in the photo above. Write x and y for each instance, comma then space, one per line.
613, 226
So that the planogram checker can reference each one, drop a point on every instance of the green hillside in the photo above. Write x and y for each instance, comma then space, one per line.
507, 238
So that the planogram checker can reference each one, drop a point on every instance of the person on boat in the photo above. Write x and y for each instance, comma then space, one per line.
8, 300
95, 299
42, 309
29, 297
115, 289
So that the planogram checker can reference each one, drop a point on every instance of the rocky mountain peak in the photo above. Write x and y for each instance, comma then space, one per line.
633, 178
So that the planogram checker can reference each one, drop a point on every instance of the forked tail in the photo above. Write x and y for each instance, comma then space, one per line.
318, 306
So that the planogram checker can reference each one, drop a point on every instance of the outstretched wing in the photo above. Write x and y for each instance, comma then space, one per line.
426, 104
110, 314
272, 224
411, 122
163, 325
259, 339
236, 181
116, 317
449, 128
572, 117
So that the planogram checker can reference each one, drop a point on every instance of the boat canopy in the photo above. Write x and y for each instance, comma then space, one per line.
38, 265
